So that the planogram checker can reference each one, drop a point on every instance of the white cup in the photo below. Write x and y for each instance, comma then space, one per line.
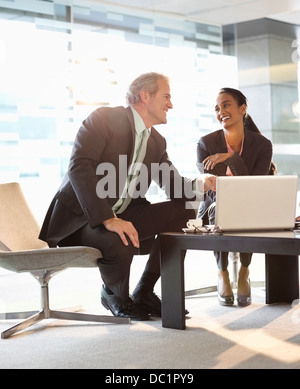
192, 223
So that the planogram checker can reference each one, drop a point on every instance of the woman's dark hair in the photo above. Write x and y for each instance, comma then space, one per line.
241, 99
249, 124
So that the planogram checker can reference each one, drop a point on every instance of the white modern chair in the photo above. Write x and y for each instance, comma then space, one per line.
22, 251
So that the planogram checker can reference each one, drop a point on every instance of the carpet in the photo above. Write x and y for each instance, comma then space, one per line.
256, 337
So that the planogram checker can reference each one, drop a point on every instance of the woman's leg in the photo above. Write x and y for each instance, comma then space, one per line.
225, 294
244, 287
224, 286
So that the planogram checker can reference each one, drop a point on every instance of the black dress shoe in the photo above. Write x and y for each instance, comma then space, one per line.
121, 308
150, 303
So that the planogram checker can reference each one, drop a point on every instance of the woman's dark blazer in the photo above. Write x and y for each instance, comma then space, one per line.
104, 136
255, 159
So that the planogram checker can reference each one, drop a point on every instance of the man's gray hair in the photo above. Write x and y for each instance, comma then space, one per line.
148, 82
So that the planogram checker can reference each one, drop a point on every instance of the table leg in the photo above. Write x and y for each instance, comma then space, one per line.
172, 287
282, 278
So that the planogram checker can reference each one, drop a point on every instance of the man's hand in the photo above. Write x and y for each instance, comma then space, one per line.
206, 182
123, 228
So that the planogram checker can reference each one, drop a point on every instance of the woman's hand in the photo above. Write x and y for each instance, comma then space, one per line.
211, 161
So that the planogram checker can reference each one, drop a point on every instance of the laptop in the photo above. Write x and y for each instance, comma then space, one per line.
256, 203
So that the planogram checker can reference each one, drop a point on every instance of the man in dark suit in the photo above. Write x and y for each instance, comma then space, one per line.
100, 205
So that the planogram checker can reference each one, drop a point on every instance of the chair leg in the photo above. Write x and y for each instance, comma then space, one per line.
23, 325
17, 315
87, 317
47, 313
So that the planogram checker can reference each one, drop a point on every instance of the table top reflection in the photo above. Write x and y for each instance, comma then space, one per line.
288, 234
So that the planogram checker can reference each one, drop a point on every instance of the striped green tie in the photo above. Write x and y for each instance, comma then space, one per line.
134, 172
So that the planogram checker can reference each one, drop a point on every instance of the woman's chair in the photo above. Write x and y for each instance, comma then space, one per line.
22, 251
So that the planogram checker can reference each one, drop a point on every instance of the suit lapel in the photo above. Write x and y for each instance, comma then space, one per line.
220, 169
221, 143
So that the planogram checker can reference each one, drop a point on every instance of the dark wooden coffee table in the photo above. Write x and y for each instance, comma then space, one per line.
281, 251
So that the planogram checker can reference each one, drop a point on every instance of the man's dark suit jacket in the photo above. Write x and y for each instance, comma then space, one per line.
255, 159
105, 135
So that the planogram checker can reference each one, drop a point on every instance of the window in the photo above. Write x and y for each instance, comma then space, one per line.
72, 60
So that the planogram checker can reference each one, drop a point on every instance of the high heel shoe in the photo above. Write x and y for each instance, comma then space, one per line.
225, 300
244, 301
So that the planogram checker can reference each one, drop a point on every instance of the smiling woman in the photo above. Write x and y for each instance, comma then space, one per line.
238, 149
